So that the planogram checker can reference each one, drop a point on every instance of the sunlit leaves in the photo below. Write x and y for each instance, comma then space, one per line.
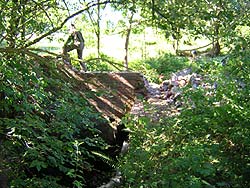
23, 20
207, 145
211, 19
45, 125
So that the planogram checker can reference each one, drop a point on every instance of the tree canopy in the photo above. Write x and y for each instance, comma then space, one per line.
50, 134
24, 23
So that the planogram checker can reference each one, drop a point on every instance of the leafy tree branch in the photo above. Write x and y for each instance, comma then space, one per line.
55, 29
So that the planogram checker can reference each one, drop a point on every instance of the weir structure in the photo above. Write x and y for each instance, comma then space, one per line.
113, 94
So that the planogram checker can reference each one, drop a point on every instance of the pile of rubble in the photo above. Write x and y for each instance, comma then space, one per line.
164, 99
171, 89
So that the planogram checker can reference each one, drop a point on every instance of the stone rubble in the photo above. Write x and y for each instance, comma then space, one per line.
164, 99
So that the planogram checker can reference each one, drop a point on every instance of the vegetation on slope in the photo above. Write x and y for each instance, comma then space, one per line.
207, 145
48, 130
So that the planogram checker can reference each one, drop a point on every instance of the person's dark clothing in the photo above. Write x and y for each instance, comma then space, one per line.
75, 41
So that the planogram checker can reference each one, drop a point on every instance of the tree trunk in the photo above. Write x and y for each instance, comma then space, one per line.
216, 45
98, 28
14, 23
216, 48
176, 36
127, 41
23, 20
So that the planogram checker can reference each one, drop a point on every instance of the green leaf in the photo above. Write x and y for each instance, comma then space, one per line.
38, 164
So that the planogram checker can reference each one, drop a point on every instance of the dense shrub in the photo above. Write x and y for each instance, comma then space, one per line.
207, 145
47, 130
163, 65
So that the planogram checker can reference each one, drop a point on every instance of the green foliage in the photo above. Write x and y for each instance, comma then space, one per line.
207, 145
163, 65
47, 130
214, 19
104, 63
22, 20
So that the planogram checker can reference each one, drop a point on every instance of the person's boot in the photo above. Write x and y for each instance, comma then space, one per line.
83, 66
66, 59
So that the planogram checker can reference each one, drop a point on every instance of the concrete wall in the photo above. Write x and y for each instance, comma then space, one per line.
111, 93
116, 92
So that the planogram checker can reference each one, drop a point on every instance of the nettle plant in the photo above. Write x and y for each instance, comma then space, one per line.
47, 130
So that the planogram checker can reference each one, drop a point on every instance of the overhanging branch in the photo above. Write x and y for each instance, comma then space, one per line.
55, 29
